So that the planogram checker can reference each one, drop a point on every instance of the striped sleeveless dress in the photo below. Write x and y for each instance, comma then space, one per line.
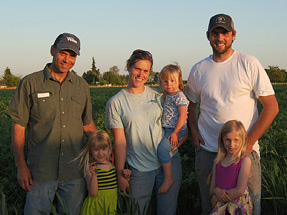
105, 203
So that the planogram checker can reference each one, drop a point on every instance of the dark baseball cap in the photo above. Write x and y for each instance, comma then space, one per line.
221, 20
68, 41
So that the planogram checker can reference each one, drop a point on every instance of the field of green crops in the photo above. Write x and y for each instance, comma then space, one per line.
273, 160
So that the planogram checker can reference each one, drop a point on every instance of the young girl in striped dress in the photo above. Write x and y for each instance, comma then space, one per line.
100, 175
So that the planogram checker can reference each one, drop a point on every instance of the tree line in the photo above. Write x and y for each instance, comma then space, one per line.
112, 77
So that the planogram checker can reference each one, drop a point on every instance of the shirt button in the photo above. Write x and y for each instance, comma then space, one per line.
64, 126
63, 140
63, 112
62, 153
62, 99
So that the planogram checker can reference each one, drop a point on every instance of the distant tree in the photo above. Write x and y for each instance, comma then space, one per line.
276, 74
156, 77
153, 78
92, 76
9, 79
115, 70
112, 77
103, 81
94, 68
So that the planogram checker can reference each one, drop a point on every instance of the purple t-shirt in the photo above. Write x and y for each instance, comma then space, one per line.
226, 177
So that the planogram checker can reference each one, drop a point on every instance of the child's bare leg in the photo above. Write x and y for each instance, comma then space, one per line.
168, 180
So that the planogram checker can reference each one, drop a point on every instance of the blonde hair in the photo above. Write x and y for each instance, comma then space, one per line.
230, 126
97, 140
171, 71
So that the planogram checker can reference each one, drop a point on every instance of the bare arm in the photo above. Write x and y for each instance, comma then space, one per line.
120, 157
88, 129
182, 110
23, 172
214, 199
242, 179
92, 179
192, 125
267, 115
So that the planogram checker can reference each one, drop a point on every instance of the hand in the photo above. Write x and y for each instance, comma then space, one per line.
222, 195
182, 140
196, 139
24, 177
123, 183
173, 139
126, 173
249, 148
92, 168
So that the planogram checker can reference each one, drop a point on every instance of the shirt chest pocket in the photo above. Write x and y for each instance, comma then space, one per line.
77, 104
43, 106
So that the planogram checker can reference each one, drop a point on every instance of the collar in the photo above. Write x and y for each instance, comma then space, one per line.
48, 76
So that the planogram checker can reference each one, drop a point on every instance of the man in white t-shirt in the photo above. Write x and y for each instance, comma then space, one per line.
227, 84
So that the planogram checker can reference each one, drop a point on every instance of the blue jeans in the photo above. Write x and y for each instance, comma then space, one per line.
142, 185
165, 147
71, 192
203, 168
254, 182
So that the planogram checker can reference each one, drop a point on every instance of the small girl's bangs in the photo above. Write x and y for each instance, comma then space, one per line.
99, 140
169, 74
101, 144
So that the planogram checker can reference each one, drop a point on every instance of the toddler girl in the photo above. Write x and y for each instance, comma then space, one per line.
173, 120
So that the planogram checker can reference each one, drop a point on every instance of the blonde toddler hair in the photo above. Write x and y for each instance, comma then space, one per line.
173, 71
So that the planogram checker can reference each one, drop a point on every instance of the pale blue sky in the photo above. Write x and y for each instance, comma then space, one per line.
173, 31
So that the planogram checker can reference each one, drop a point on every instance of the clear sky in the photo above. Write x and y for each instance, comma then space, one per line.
109, 30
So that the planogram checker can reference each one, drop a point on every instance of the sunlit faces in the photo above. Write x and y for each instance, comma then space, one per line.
100, 155
232, 141
170, 85
63, 60
221, 40
139, 73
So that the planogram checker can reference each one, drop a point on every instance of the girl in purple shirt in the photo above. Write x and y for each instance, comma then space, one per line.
231, 170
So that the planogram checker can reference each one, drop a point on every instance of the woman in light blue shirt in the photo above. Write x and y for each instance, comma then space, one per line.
134, 117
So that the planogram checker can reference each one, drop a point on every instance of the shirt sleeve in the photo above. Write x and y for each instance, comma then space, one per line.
113, 114
19, 107
181, 100
260, 81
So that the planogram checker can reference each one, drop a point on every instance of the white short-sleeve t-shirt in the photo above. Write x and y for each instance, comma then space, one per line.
227, 91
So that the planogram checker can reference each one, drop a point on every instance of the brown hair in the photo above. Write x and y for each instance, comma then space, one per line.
139, 55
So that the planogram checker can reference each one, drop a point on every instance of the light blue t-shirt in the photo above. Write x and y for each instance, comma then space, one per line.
140, 117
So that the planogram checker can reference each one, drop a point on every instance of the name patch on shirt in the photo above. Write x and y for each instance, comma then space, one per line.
43, 95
